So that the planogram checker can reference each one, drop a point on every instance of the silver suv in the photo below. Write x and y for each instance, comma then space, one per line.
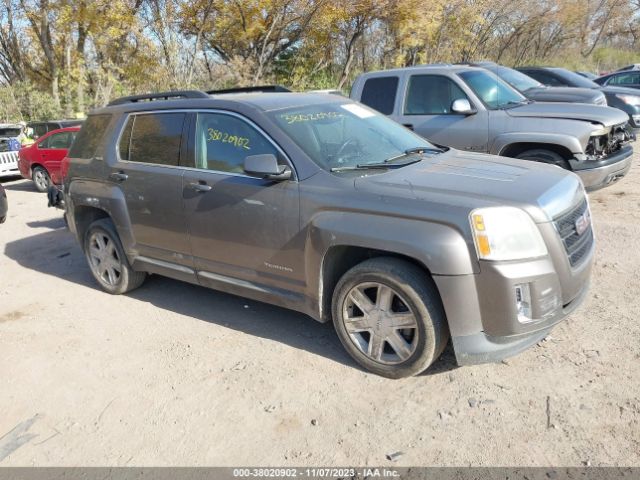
319, 204
472, 109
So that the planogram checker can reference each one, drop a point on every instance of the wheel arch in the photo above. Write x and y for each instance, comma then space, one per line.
515, 149
337, 243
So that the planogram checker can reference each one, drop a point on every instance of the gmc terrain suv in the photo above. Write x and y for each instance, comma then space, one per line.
321, 205
472, 109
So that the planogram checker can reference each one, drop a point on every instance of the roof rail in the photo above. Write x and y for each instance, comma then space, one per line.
159, 96
259, 88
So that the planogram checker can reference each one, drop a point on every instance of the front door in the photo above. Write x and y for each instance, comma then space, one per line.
427, 111
149, 175
243, 229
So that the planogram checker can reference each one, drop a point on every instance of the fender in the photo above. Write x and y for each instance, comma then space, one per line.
501, 142
438, 247
108, 198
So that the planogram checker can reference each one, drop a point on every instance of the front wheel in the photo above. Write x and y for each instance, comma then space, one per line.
41, 179
389, 317
107, 260
544, 156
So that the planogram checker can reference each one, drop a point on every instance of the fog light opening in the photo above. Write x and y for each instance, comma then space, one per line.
523, 302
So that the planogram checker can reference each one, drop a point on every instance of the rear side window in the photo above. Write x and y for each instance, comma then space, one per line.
90, 136
625, 79
379, 93
156, 138
58, 141
125, 139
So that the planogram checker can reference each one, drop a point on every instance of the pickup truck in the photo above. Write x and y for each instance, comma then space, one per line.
470, 108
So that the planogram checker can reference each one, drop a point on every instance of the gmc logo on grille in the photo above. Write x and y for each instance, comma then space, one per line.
582, 223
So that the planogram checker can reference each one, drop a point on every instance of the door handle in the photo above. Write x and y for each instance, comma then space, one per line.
118, 176
408, 125
200, 187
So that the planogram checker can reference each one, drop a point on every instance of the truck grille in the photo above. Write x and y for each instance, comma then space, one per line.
577, 245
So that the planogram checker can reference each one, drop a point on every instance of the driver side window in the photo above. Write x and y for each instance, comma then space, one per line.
431, 95
224, 141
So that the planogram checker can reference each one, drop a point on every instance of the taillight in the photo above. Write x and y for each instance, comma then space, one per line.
64, 168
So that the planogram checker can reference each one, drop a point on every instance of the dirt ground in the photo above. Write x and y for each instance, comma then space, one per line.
175, 374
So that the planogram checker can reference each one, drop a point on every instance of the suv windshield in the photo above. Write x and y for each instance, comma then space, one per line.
338, 136
494, 92
517, 79
9, 132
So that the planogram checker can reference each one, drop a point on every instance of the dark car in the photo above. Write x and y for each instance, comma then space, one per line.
627, 79
3, 204
589, 75
321, 205
42, 128
534, 90
626, 99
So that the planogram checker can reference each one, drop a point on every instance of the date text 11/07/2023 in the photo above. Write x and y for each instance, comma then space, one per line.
316, 473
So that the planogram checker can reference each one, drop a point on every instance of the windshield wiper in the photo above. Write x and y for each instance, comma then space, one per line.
367, 166
413, 151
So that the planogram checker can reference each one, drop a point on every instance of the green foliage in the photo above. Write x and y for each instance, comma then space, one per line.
24, 101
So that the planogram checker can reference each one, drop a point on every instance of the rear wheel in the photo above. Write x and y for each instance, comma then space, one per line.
41, 179
106, 258
544, 156
389, 317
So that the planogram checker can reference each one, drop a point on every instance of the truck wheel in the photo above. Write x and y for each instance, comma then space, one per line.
40, 179
389, 317
108, 263
544, 156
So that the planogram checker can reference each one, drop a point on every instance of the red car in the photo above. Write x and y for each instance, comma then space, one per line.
41, 161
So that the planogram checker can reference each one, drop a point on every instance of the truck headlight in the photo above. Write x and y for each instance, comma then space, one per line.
505, 233
629, 99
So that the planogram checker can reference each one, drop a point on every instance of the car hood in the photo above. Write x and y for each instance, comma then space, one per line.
472, 180
563, 94
621, 91
606, 116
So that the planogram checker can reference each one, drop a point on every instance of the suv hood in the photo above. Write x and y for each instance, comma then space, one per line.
473, 180
606, 116
565, 94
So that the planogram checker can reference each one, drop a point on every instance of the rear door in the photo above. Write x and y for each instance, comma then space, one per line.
51, 150
243, 229
147, 172
427, 110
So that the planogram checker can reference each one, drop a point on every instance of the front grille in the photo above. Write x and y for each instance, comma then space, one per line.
576, 245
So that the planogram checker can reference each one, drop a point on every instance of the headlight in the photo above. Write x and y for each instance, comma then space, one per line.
505, 233
629, 99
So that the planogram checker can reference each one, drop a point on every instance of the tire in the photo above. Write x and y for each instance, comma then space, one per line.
107, 260
41, 179
398, 352
544, 156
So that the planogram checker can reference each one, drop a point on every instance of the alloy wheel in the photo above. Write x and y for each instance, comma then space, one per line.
104, 259
380, 323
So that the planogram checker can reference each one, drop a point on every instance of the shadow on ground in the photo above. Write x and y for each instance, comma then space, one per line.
55, 252
19, 184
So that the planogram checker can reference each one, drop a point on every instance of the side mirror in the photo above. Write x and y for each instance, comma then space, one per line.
266, 166
463, 107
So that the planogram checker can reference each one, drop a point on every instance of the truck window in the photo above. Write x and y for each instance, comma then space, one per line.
90, 136
431, 95
379, 93
156, 138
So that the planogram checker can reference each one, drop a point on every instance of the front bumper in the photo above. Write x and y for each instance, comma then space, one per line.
482, 311
601, 173
482, 348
